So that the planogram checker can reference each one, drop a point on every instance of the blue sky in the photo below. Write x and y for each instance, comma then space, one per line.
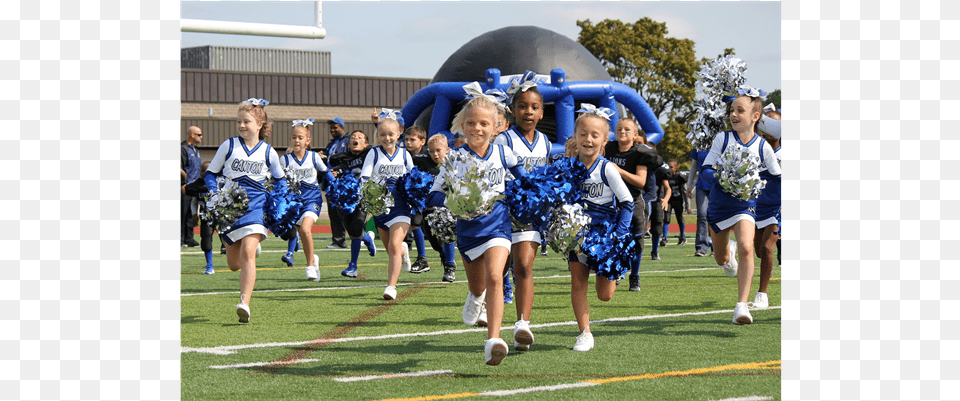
413, 39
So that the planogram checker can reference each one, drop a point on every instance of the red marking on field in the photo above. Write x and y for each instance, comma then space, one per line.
317, 229
342, 330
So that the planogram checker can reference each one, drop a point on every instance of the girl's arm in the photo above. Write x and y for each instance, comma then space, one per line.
280, 180
513, 164
216, 166
437, 197
367, 170
321, 167
622, 193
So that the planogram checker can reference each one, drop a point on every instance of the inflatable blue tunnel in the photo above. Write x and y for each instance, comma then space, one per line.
565, 97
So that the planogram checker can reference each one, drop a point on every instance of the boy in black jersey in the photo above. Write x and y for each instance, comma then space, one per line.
676, 204
350, 162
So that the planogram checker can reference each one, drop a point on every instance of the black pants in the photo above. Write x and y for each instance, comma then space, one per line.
354, 223
186, 219
206, 236
337, 224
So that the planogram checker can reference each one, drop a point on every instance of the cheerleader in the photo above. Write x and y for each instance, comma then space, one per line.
727, 213
532, 148
247, 161
603, 191
302, 166
384, 164
484, 242
768, 212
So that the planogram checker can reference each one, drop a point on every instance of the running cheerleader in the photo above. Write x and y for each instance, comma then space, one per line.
768, 212
602, 192
247, 161
484, 241
532, 149
302, 166
383, 165
728, 210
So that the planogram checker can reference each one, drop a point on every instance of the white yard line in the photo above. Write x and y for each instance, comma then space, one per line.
232, 349
567, 386
391, 376
404, 284
748, 398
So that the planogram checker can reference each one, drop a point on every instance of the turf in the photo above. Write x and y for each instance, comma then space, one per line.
667, 350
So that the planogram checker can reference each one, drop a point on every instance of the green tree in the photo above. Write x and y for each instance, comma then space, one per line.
773, 97
660, 68
641, 56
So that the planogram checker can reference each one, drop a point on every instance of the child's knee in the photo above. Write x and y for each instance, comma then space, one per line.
603, 296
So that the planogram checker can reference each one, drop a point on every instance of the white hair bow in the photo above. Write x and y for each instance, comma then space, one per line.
304, 123
604, 112
473, 90
769, 107
747, 90
256, 102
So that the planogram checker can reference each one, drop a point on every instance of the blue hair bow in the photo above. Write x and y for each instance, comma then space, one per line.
392, 114
256, 102
304, 123
604, 112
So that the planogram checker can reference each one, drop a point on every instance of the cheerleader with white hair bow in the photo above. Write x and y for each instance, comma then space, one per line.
247, 161
734, 163
484, 239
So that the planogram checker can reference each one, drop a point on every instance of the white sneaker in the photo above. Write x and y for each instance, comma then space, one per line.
584, 342
390, 293
259, 249
243, 312
495, 350
313, 271
522, 336
482, 319
730, 269
405, 262
472, 308
760, 301
741, 314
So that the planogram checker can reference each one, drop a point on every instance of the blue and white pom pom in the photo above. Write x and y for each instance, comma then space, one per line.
738, 173
443, 225
609, 254
344, 192
414, 188
224, 207
532, 196
469, 193
377, 196
566, 227
282, 210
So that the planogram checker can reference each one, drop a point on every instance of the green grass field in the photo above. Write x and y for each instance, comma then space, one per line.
308, 340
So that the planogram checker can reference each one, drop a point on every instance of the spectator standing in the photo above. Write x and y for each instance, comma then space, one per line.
189, 172
338, 144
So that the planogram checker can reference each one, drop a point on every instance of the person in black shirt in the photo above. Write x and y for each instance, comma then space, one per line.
659, 195
623, 153
350, 162
437, 151
676, 204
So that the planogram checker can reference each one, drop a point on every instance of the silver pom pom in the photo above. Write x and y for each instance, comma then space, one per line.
718, 77
294, 177
738, 173
565, 229
377, 198
443, 225
469, 193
